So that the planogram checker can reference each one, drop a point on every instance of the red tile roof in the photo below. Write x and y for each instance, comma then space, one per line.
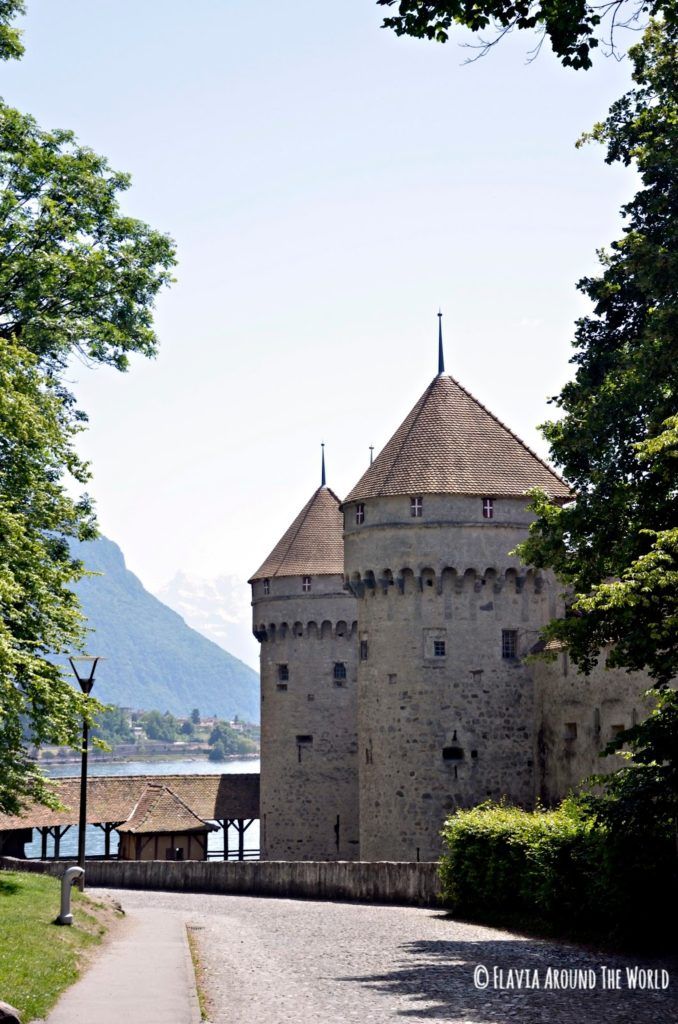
160, 810
313, 544
451, 444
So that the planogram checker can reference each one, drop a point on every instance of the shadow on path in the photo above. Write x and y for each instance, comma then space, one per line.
435, 981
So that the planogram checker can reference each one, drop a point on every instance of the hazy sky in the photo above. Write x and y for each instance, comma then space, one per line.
329, 186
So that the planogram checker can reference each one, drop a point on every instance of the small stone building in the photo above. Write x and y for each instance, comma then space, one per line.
163, 827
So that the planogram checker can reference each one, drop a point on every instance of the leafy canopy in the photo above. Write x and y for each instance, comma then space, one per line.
573, 27
77, 276
617, 440
39, 613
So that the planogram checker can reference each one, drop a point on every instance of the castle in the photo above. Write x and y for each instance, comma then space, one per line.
394, 630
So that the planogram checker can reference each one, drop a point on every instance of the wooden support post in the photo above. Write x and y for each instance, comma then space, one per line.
224, 825
241, 839
43, 843
57, 841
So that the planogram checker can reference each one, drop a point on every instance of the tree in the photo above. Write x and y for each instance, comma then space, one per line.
11, 46
195, 716
39, 614
77, 276
160, 727
573, 27
616, 544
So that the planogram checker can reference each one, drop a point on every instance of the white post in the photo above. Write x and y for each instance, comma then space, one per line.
67, 879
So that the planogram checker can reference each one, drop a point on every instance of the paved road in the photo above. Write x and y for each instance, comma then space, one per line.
278, 961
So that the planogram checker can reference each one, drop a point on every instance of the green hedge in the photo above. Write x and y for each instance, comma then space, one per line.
559, 871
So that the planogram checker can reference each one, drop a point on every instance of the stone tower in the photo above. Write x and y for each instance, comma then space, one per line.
446, 707
306, 624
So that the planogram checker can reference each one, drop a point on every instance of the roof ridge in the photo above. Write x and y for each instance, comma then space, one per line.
506, 428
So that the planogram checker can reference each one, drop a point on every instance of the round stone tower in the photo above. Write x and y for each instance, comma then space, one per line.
445, 614
306, 624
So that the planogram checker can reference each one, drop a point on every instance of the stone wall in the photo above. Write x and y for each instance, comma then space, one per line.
577, 716
320, 880
309, 774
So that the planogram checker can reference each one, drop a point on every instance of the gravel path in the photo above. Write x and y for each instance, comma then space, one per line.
276, 961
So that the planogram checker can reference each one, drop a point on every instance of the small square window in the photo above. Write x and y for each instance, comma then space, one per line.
488, 508
306, 584
360, 514
509, 643
438, 648
570, 730
283, 673
339, 671
281, 687
416, 507
363, 650
616, 730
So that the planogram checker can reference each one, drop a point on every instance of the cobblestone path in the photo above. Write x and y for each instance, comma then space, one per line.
277, 961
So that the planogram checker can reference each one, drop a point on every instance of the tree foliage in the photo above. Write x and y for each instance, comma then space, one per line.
616, 442
616, 544
11, 46
77, 276
573, 27
39, 613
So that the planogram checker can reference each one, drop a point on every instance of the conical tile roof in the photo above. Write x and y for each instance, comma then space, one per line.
313, 545
451, 444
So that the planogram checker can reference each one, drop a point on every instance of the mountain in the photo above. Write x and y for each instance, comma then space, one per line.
153, 659
218, 608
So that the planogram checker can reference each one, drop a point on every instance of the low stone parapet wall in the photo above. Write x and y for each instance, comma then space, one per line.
369, 881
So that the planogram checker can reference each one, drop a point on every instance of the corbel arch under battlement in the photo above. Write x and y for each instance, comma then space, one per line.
446, 579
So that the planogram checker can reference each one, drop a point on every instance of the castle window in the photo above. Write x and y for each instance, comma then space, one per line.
360, 514
283, 673
438, 648
267, 587
509, 643
453, 754
570, 730
281, 687
416, 507
339, 671
363, 650
303, 743
306, 584
488, 508
616, 730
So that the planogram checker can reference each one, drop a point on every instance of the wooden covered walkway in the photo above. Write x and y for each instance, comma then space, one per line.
226, 800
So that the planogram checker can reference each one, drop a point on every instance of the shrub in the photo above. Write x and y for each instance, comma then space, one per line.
558, 870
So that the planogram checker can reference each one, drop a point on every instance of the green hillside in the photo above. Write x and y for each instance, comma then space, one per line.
153, 659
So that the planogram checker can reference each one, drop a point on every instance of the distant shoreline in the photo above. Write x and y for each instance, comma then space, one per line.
55, 761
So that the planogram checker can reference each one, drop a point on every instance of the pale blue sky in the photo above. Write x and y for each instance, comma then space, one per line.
329, 186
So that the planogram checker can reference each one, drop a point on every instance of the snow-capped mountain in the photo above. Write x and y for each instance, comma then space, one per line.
218, 608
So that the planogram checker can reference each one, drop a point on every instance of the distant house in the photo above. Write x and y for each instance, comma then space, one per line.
163, 827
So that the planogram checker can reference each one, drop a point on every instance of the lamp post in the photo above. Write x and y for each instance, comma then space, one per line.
84, 667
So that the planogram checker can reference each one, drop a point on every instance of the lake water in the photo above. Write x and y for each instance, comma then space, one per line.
95, 836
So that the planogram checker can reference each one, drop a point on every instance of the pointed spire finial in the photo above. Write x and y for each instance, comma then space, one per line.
371, 454
441, 355
322, 472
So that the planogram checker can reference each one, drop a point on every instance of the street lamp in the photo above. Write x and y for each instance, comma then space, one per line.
84, 667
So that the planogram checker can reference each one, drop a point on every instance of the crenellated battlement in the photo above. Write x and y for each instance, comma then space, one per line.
447, 579
312, 630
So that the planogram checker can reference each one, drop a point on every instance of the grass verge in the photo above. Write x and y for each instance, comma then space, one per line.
39, 959
199, 972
